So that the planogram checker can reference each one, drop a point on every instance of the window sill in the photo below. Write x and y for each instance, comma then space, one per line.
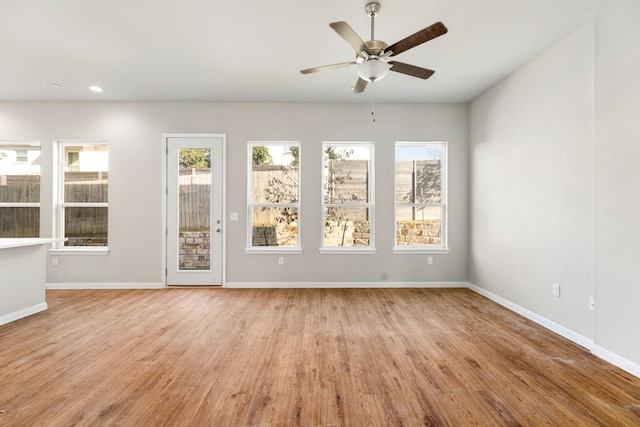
80, 250
273, 250
347, 251
417, 250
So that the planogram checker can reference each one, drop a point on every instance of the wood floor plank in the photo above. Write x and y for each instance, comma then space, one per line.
299, 357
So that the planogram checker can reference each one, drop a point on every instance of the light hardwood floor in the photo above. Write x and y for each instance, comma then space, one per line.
306, 357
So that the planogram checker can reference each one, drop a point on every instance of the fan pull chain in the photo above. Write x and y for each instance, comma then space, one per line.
373, 101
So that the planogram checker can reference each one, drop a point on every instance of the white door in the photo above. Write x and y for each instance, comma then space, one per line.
194, 209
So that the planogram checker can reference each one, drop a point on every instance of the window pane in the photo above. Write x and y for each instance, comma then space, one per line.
274, 226
419, 174
418, 226
428, 187
19, 222
346, 173
19, 172
19, 188
19, 183
346, 227
274, 173
85, 226
86, 173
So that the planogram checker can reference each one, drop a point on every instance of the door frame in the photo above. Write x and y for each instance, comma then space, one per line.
164, 230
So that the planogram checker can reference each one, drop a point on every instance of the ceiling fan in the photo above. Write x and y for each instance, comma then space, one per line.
373, 57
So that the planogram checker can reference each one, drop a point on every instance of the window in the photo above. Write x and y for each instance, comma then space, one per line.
81, 195
420, 196
347, 202
274, 196
19, 189
22, 156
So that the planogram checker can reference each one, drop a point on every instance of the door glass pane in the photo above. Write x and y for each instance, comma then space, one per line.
194, 209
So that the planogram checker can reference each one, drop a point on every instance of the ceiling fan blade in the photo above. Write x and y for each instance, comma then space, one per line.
411, 70
422, 36
328, 67
345, 31
360, 86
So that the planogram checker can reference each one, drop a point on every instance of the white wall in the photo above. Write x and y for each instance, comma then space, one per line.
617, 191
532, 175
134, 132
555, 193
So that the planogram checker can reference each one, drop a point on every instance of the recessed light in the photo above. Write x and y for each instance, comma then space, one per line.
96, 88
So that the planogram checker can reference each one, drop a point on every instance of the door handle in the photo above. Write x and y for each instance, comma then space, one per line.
217, 230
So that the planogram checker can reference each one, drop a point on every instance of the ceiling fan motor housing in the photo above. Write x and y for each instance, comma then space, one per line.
375, 47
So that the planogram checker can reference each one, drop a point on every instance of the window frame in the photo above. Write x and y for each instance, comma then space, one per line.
370, 204
31, 143
59, 204
443, 247
249, 248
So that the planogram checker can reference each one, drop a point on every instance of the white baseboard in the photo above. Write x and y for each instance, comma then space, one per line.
543, 321
6, 318
353, 285
614, 359
135, 285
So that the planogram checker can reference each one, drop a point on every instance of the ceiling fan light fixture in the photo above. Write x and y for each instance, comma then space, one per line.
373, 70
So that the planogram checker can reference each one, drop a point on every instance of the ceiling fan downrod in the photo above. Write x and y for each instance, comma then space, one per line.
372, 10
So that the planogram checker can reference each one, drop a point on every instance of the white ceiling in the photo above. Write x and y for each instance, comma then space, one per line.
252, 50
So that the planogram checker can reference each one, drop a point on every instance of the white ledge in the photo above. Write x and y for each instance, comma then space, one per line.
347, 251
80, 250
417, 250
270, 250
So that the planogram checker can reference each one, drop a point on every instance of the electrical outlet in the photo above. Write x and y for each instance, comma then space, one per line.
592, 303
281, 260
430, 260
233, 216
54, 260
555, 290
